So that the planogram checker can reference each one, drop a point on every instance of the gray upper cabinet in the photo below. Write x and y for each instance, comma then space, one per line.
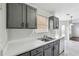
31, 17
57, 23
20, 15
53, 22
14, 15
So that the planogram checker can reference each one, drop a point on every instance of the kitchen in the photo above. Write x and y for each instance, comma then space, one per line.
29, 30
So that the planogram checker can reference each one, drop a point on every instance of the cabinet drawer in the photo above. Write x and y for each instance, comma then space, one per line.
57, 42
24, 54
36, 51
39, 54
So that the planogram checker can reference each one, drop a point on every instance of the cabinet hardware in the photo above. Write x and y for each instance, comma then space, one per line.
22, 24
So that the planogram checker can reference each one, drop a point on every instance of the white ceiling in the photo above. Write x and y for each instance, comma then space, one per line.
61, 9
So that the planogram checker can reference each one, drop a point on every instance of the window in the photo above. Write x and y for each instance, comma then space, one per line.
42, 23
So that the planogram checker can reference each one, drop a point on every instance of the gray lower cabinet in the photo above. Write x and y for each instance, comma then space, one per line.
56, 48
48, 52
48, 49
52, 49
36, 52
61, 50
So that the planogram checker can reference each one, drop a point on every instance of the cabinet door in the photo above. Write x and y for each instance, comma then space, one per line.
57, 23
47, 52
14, 15
56, 50
31, 17
24, 14
52, 49
61, 45
50, 24
54, 23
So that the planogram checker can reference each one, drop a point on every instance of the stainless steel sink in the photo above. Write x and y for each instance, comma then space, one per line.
46, 38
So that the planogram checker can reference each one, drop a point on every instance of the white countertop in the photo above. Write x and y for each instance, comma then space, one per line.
19, 46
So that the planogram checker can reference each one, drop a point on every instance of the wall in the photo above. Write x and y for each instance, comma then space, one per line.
17, 34
75, 30
75, 21
60, 25
66, 23
3, 33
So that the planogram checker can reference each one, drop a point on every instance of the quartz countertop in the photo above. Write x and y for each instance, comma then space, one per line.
16, 47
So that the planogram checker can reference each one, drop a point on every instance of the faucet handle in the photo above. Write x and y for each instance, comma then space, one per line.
45, 36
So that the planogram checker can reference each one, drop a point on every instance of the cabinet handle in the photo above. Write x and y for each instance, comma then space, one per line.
22, 24
37, 51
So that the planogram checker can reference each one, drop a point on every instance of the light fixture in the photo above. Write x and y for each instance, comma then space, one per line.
71, 23
67, 16
71, 18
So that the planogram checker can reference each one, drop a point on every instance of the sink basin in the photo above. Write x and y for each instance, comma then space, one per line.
46, 39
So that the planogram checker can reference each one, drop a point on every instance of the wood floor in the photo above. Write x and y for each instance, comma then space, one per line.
74, 38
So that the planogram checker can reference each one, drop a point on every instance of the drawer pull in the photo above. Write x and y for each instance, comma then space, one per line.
37, 51
48, 45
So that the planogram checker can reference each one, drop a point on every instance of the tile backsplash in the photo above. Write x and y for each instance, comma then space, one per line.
19, 34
